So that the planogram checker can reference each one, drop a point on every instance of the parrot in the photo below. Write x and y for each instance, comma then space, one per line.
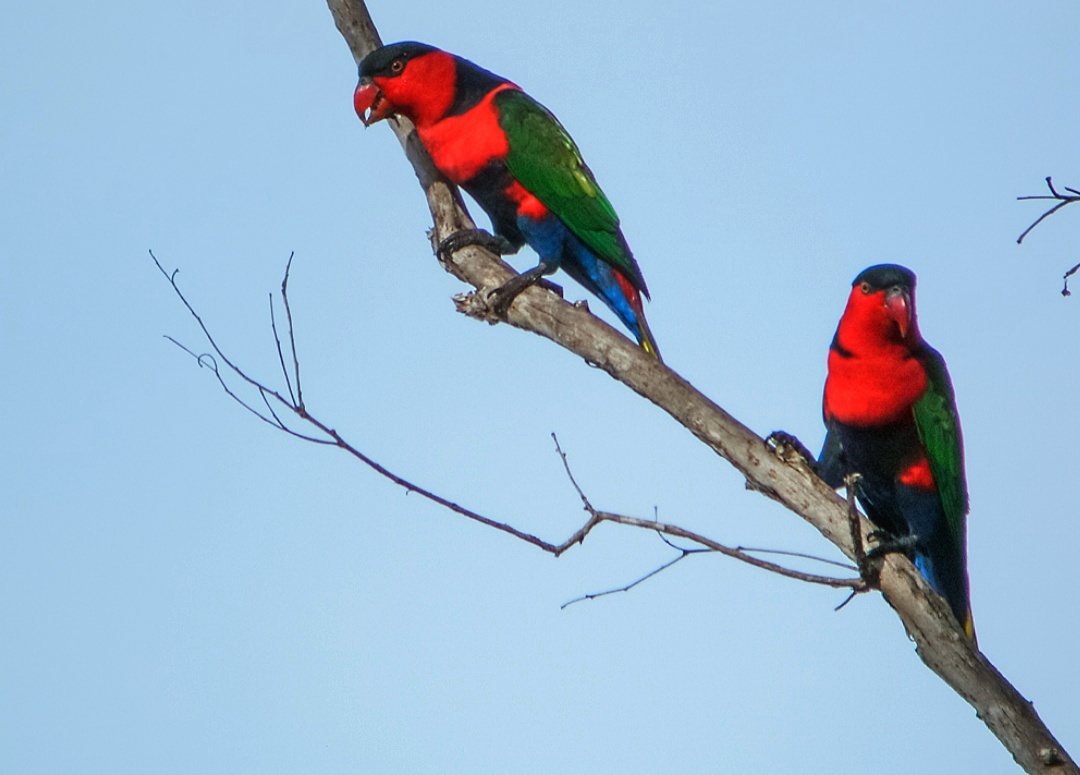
890, 416
517, 161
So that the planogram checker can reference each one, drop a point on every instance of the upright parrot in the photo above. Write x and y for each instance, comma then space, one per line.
891, 417
515, 159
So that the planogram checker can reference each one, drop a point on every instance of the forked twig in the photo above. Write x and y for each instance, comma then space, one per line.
330, 437
595, 517
1055, 195
683, 554
1061, 199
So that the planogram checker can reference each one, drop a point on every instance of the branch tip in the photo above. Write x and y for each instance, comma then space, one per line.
1061, 199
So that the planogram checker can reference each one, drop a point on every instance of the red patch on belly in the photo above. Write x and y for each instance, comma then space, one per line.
918, 475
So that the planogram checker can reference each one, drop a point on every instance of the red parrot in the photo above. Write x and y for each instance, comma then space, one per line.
891, 417
515, 159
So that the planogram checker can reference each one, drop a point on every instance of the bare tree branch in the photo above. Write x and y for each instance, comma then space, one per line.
940, 642
709, 544
333, 438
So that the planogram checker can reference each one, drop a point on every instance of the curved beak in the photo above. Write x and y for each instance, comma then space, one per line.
370, 104
898, 304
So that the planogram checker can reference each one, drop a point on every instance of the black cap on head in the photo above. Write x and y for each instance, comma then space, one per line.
378, 61
882, 276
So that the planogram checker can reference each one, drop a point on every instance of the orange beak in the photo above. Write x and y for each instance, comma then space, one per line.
898, 305
370, 104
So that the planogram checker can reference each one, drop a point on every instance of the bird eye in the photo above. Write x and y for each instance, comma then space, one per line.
864, 287
397, 66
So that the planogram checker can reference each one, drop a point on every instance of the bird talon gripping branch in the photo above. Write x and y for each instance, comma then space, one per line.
789, 449
460, 239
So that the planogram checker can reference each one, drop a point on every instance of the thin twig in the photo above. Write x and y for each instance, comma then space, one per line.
674, 530
280, 354
727, 551
671, 543
270, 397
803, 555
570, 475
206, 360
333, 437
684, 553
292, 337
1061, 199
206, 332
1065, 288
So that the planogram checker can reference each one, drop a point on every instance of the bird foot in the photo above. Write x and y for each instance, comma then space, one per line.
887, 543
502, 297
555, 288
789, 449
494, 243
479, 305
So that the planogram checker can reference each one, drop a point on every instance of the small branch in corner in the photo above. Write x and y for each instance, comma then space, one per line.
1065, 288
1073, 195
1055, 195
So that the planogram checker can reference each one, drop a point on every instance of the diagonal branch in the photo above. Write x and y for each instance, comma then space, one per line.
940, 642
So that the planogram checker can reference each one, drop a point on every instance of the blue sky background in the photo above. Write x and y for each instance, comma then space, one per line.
182, 589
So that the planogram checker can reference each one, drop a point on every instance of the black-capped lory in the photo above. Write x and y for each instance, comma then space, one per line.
891, 417
515, 159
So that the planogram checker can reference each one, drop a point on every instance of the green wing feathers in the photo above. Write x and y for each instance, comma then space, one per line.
545, 160
939, 429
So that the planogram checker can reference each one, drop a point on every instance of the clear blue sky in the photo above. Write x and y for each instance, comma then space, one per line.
184, 590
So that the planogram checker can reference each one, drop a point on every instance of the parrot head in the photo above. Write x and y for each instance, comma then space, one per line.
883, 299
409, 78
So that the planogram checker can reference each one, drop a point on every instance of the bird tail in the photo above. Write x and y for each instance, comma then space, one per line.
943, 565
616, 290
969, 628
645, 337
642, 332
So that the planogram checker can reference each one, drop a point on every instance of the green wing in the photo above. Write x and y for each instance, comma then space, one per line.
545, 160
939, 429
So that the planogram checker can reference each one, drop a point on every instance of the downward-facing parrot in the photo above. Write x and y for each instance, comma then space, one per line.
891, 417
515, 159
